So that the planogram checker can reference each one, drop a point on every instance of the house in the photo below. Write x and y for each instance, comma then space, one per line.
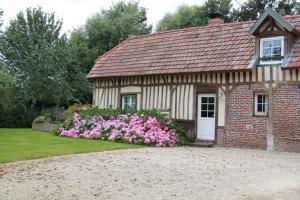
233, 84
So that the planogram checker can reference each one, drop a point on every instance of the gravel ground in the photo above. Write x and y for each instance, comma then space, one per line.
156, 173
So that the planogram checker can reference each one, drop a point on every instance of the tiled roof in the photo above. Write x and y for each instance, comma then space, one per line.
203, 49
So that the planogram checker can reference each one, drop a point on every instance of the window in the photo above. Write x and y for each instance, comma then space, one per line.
271, 50
129, 101
261, 104
207, 107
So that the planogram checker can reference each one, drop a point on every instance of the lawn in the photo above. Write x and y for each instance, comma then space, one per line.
22, 144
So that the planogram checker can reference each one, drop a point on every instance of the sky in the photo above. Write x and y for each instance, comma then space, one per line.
75, 12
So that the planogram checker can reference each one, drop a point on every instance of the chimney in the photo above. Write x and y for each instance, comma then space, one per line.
214, 18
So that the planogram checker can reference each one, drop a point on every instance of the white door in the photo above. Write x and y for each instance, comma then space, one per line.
206, 116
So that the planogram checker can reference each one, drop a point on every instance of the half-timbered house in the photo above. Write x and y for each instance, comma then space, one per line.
233, 84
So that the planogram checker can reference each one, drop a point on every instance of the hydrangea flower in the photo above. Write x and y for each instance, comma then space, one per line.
127, 128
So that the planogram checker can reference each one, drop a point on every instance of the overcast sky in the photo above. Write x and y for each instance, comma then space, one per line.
75, 12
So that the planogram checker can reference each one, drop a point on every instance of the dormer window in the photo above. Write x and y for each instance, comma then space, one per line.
271, 50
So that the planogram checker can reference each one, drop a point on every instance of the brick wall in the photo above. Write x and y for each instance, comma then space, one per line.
244, 130
286, 117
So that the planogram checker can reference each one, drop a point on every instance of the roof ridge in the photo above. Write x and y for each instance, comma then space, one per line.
201, 27
189, 29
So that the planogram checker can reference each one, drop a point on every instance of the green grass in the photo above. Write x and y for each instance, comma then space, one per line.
22, 144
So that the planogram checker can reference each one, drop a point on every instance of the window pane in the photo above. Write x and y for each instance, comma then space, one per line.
211, 107
266, 107
259, 98
259, 108
276, 51
203, 114
267, 44
133, 100
204, 107
211, 114
211, 100
266, 52
277, 43
203, 99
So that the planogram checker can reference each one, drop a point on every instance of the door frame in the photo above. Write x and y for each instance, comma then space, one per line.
216, 113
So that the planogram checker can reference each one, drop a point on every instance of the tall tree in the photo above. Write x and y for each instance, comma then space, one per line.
85, 53
251, 9
38, 56
190, 16
185, 16
110, 27
1, 14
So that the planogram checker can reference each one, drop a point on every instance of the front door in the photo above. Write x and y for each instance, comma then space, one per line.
206, 116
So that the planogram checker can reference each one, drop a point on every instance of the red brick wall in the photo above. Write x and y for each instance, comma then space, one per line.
244, 130
286, 117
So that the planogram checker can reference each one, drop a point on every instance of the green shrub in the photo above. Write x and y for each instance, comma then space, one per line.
42, 119
18, 117
153, 113
71, 110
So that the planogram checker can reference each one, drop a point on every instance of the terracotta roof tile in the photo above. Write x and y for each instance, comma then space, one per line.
202, 49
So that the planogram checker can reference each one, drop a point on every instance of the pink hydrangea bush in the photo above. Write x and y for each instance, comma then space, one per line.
135, 129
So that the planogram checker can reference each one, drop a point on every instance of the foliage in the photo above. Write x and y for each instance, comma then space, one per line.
222, 7
38, 55
21, 144
42, 119
86, 111
185, 16
251, 9
110, 27
85, 54
135, 128
76, 108
7, 86
1, 14
18, 116
190, 16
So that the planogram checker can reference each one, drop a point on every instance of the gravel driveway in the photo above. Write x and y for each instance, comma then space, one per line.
156, 173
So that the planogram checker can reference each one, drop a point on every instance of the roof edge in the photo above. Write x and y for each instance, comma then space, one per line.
270, 12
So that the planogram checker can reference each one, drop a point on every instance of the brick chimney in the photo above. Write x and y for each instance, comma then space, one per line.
215, 21
214, 18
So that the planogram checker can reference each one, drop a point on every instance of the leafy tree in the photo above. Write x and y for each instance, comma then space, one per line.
85, 54
110, 27
6, 91
1, 14
251, 9
190, 16
185, 16
38, 56
222, 7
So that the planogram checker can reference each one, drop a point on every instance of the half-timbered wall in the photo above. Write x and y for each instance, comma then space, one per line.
175, 95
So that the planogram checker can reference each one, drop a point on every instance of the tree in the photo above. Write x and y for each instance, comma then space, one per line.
38, 55
110, 27
251, 9
222, 7
6, 90
185, 16
85, 54
190, 16
1, 14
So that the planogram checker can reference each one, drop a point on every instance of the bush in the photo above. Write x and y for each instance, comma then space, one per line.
42, 119
18, 117
142, 127
76, 108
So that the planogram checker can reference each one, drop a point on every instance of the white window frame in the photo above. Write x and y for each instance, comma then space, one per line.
259, 113
270, 39
130, 100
